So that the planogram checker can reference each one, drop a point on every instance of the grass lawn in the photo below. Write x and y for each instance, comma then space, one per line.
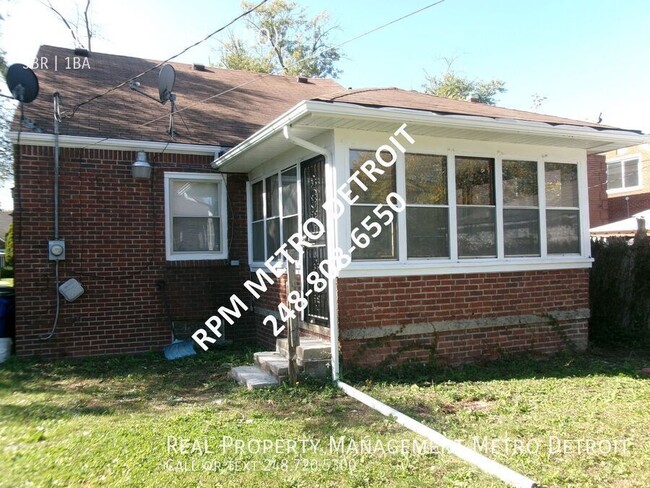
143, 421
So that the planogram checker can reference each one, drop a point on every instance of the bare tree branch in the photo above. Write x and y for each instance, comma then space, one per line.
89, 32
64, 20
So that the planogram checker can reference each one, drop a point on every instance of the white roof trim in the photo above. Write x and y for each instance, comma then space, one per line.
41, 139
423, 117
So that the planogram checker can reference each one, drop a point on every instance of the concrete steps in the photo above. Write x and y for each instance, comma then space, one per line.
272, 367
253, 377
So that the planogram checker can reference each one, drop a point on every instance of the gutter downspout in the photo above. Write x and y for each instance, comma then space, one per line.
456, 448
332, 239
465, 453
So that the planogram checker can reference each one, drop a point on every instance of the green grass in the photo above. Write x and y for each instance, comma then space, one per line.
107, 422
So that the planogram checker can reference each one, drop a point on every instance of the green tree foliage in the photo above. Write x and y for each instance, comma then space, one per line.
452, 85
7, 108
9, 246
284, 41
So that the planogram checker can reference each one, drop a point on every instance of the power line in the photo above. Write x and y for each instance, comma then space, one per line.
295, 62
112, 89
236, 87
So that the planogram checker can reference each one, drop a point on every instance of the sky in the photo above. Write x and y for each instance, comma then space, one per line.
584, 57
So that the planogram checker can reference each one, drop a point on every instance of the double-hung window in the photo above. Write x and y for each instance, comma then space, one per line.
623, 174
467, 207
427, 207
274, 212
384, 246
562, 210
520, 208
195, 217
476, 208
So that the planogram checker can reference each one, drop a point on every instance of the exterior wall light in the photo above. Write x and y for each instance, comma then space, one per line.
141, 169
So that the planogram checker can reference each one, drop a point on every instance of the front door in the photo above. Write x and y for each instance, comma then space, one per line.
313, 197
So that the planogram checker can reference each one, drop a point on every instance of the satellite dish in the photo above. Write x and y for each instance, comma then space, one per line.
22, 83
166, 81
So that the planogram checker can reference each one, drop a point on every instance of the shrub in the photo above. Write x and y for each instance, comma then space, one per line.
619, 292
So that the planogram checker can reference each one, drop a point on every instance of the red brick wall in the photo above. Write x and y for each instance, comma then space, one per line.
618, 206
115, 246
597, 181
400, 301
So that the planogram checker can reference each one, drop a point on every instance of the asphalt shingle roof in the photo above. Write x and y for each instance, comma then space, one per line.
224, 120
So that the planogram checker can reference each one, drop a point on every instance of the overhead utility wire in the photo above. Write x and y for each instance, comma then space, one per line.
260, 77
264, 75
110, 90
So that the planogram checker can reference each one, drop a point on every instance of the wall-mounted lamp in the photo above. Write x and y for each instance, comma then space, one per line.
141, 169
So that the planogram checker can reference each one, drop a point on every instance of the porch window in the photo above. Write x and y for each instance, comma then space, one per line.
533, 211
476, 209
623, 174
384, 246
274, 212
195, 215
427, 208
520, 208
562, 211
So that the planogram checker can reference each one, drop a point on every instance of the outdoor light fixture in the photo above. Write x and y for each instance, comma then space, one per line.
141, 169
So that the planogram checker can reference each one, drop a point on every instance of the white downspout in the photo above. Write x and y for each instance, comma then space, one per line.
332, 239
485, 464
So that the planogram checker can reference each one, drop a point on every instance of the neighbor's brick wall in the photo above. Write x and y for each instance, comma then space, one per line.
597, 181
397, 301
618, 206
115, 246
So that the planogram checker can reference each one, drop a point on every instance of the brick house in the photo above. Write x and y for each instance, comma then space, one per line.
470, 223
627, 181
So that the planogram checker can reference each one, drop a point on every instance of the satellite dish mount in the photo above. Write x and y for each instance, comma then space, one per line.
166, 80
22, 83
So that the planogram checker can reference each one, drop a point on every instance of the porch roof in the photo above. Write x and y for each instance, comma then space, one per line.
385, 110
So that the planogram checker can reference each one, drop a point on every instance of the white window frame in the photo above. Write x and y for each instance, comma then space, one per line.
223, 217
403, 266
249, 191
623, 160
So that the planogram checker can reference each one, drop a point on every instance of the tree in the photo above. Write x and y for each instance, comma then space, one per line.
9, 246
452, 85
7, 108
73, 26
284, 41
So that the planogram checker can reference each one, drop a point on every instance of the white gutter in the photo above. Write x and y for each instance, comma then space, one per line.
261, 135
456, 448
621, 138
332, 235
41, 139
476, 122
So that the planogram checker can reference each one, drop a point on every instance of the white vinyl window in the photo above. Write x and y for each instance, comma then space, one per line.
562, 209
274, 212
623, 174
195, 217
471, 208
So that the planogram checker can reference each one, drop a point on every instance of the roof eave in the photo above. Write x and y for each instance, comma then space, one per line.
610, 138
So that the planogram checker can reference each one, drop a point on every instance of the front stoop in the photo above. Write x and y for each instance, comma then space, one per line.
312, 357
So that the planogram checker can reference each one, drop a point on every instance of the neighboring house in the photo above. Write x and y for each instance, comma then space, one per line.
481, 242
623, 228
5, 221
628, 181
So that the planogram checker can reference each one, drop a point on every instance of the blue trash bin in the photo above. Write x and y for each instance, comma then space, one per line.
7, 312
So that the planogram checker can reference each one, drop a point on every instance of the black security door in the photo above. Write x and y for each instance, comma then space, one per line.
313, 197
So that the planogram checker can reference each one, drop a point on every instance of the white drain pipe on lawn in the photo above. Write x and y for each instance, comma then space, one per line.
456, 448
465, 453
